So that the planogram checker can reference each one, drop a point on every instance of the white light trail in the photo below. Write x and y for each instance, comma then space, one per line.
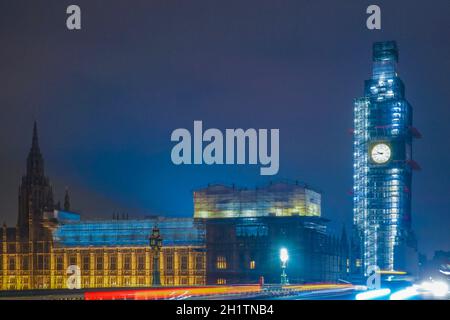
373, 294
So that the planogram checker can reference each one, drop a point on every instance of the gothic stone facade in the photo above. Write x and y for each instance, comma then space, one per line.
30, 258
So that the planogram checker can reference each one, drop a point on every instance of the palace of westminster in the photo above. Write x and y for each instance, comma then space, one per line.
233, 237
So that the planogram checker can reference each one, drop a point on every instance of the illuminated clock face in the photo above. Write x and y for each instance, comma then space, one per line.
381, 153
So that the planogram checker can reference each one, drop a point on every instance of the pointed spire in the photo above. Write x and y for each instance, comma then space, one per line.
35, 162
67, 200
35, 142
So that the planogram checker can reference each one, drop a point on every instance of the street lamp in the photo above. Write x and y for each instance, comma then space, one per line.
284, 257
155, 246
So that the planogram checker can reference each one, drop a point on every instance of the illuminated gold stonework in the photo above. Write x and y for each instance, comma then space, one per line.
101, 267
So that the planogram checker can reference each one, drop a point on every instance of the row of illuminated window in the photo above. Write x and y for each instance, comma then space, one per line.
24, 247
183, 262
221, 263
43, 262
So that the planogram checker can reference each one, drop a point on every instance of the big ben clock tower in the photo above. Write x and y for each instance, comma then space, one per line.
383, 165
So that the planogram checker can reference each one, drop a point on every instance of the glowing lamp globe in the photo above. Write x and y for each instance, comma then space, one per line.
284, 255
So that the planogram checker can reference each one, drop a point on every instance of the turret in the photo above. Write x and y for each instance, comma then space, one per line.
67, 201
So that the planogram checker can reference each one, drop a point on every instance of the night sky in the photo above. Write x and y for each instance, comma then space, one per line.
107, 97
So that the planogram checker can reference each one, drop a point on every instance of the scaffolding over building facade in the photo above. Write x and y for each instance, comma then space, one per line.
382, 164
278, 199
